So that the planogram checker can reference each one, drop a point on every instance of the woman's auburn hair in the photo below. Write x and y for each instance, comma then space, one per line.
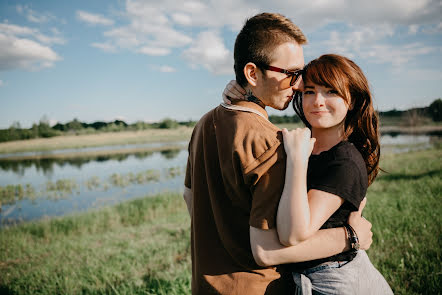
361, 122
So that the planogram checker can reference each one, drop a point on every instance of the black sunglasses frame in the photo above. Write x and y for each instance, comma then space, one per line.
294, 74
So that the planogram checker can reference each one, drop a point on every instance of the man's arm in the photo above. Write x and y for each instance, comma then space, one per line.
187, 195
268, 251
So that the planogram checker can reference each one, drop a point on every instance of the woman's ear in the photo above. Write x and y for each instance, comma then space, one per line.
250, 72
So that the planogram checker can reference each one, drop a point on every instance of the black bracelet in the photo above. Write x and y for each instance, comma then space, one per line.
352, 237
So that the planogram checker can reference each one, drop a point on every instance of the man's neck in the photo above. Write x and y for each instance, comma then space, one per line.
250, 96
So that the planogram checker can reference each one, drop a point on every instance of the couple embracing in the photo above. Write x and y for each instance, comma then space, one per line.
279, 212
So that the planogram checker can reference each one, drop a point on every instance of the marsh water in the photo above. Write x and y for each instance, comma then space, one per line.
34, 188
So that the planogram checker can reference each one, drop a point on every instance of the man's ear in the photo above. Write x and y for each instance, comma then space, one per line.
250, 72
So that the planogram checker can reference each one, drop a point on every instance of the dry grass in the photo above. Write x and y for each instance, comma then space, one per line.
102, 139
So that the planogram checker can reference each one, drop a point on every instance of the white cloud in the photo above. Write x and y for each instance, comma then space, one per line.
24, 53
160, 28
311, 14
93, 19
155, 51
372, 43
14, 30
208, 51
106, 47
34, 16
26, 48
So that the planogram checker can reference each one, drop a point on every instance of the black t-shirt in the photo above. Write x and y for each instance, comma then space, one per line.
340, 171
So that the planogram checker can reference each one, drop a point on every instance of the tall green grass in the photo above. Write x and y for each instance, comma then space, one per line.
404, 206
139, 247
143, 247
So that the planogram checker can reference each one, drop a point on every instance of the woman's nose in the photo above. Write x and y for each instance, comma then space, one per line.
319, 99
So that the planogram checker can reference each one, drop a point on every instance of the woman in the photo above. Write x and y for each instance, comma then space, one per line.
327, 175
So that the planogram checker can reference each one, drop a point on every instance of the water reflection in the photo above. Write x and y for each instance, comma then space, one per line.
46, 166
70, 185
32, 188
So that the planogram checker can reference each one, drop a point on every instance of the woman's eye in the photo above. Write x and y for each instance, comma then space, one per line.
309, 92
332, 91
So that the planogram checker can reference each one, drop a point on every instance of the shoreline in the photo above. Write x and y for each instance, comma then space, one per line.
98, 153
143, 137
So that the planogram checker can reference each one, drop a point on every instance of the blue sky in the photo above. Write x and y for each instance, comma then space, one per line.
148, 60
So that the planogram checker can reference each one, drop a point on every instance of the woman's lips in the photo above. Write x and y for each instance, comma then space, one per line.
318, 112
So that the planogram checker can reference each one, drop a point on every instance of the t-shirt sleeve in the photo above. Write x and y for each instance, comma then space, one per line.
266, 181
345, 179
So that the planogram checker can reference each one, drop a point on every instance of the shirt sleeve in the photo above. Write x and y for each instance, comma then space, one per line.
345, 179
266, 182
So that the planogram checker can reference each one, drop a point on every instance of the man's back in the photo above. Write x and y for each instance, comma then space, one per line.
230, 155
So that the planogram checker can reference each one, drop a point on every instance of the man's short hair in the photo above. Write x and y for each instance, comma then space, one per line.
258, 38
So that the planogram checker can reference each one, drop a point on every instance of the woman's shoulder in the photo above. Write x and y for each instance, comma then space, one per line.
346, 150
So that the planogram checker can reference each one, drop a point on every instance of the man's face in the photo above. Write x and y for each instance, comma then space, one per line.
272, 87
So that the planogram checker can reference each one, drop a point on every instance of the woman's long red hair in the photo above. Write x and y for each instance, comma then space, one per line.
361, 123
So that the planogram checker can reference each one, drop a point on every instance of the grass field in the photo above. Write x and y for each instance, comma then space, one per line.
142, 246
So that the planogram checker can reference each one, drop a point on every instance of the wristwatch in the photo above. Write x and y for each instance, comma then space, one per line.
352, 237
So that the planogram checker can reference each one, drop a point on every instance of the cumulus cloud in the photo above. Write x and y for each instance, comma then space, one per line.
94, 19
313, 14
208, 51
26, 48
158, 28
34, 16
155, 51
371, 43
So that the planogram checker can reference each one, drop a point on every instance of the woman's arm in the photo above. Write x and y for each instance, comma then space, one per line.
301, 214
268, 251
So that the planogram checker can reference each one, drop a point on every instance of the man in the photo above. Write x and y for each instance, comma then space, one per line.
236, 168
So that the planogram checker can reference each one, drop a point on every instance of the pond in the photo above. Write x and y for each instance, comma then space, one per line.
34, 188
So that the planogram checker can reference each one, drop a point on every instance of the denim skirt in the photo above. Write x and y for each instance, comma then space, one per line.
358, 276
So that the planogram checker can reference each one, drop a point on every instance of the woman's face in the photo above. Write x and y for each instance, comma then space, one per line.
323, 107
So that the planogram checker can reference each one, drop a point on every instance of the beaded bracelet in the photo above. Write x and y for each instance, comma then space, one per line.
352, 237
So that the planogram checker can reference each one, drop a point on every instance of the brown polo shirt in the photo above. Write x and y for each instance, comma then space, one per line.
236, 170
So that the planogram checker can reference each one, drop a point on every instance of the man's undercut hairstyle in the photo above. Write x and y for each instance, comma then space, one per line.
258, 39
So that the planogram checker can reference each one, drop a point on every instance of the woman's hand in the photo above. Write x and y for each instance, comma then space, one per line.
233, 91
362, 226
298, 145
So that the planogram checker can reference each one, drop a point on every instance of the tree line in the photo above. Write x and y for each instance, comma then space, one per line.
43, 129
411, 117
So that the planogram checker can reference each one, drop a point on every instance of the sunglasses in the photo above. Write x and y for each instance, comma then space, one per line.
293, 75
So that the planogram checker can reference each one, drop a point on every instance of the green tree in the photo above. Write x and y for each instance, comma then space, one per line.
74, 125
435, 110
168, 124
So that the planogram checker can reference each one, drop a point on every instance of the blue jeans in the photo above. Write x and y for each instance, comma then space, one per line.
358, 276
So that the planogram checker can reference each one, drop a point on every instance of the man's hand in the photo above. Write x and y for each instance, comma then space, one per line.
362, 227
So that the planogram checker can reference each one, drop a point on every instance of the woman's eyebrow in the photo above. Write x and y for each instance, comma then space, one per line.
306, 86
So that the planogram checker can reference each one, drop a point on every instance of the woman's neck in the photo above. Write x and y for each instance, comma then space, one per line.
326, 138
